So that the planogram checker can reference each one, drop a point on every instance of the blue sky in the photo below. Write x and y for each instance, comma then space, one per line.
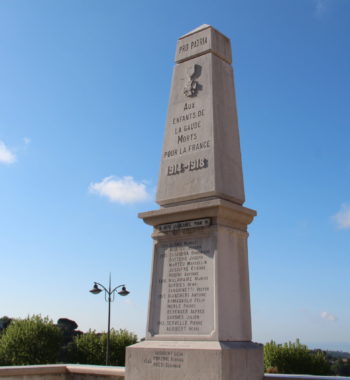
84, 88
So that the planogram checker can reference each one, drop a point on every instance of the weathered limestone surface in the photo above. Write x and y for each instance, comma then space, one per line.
199, 322
201, 155
151, 360
61, 372
209, 264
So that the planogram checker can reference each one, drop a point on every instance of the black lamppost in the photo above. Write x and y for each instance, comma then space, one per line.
109, 297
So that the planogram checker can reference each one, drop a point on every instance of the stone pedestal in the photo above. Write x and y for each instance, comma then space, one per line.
200, 281
199, 323
151, 360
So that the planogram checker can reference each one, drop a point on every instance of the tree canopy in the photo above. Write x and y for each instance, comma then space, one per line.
90, 348
37, 340
295, 358
33, 340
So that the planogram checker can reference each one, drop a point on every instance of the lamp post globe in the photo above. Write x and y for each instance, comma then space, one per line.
95, 289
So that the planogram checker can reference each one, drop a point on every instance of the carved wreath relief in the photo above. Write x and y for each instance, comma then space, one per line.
191, 85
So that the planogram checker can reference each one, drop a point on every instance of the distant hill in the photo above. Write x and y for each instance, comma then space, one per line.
338, 354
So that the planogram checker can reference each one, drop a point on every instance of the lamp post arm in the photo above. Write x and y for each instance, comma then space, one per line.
106, 292
117, 287
97, 283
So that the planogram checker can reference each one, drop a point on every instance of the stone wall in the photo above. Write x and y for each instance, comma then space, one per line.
89, 372
62, 372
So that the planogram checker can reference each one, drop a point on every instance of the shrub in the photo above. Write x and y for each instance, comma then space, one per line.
33, 340
90, 348
295, 358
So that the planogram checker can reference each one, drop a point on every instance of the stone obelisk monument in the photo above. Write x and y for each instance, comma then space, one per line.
199, 323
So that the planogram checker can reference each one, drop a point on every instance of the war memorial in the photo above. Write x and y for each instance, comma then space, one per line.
199, 322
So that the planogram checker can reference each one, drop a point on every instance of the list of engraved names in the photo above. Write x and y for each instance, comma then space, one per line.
184, 287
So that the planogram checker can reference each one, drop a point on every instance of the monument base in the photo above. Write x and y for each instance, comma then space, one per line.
194, 360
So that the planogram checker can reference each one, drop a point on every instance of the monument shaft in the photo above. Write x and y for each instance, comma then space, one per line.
199, 323
201, 155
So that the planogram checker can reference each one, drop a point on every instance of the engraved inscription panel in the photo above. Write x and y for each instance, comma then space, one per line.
202, 42
196, 223
188, 138
184, 288
165, 359
187, 165
193, 45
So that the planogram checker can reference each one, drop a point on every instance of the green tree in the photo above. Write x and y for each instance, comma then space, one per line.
341, 367
68, 329
90, 348
295, 358
4, 323
33, 340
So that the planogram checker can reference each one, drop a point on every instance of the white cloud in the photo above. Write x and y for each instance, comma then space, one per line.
120, 190
320, 7
6, 156
342, 217
327, 316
